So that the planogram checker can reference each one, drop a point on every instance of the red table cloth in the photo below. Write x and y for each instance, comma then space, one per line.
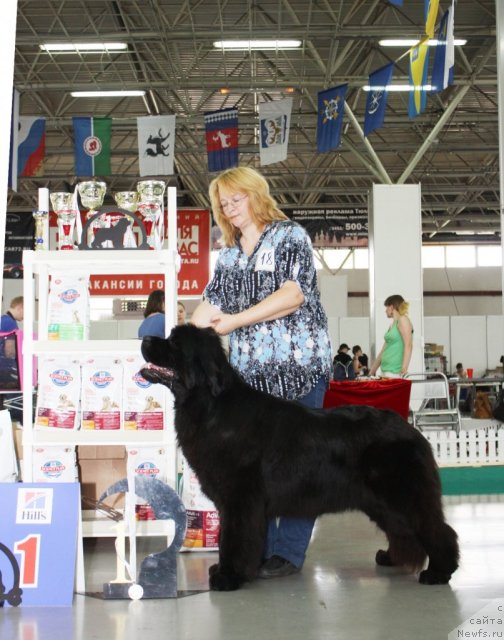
387, 393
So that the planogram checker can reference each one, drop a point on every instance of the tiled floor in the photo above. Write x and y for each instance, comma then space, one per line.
340, 594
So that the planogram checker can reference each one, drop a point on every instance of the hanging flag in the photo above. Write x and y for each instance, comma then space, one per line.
444, 56
31, 146
274, 122
419, 62
221, 131
156, 145
92, 146
397, 3
376, 102
431, 8
13, 151
331, 107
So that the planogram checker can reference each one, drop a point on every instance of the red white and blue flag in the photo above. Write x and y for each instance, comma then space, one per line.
221, 131
31, 146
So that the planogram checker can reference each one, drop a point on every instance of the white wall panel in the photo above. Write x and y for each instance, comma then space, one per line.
469, 342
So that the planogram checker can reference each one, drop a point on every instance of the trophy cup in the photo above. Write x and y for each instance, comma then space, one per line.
62, 203
41, 218
128, 200
151, 207
92, 193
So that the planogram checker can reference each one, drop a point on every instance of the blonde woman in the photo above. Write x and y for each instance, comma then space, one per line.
264, 294
395, 355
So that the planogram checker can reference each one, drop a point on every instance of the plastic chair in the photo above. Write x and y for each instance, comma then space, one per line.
430, 402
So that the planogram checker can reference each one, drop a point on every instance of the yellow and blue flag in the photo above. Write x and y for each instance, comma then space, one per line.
376, 102
431, 8
331, 107
419, 62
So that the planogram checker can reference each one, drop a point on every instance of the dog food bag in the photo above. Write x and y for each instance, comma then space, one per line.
148, 462
68, 307
144, 402
203, 524
54, 464
101, 394
58, 394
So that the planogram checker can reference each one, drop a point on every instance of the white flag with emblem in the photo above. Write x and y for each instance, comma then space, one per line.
274, 120
156, 145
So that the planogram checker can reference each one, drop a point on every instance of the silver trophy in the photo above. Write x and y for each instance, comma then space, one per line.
63, 207
151, 207
92, 194
128, 200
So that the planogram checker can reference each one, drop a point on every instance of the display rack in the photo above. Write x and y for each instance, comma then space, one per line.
38, 266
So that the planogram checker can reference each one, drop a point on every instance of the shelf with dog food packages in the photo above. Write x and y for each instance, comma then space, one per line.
72, 351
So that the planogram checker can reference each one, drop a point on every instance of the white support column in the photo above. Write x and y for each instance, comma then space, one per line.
395, 245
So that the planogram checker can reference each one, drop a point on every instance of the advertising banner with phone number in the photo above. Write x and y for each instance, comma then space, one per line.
333, 227
38, 543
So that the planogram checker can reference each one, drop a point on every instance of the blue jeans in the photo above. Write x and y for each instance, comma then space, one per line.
289, 537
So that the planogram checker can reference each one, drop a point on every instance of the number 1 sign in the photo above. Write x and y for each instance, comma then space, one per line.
38, 543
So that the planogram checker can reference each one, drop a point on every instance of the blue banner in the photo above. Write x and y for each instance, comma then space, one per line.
331, 107
444, 59
38, 536
376, 102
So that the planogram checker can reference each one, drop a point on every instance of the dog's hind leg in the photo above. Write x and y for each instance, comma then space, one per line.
241, 543
441, 545
404, 548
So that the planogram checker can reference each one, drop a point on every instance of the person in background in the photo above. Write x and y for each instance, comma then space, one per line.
395, 355
9, 322
154, 316
264, 294
343, 368
9, 369
460, 372
181, 313
360, 361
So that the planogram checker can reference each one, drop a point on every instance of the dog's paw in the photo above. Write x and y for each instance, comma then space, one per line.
220, 581
383, 559
433, 577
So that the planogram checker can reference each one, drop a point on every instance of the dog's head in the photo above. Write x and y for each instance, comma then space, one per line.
189, 359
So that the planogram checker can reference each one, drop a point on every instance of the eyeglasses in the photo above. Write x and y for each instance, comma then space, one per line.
234, 202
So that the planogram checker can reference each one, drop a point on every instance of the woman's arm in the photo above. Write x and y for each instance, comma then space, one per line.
203, 313
405, 329
278, 304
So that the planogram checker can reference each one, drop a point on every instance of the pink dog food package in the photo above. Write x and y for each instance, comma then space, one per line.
58, 394
101, 394
144, 403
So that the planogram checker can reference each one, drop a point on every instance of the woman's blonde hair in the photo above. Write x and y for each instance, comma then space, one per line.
243, 180
399, 304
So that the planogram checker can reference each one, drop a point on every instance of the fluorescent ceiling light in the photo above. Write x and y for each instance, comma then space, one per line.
411, 42
397, 87
107, 94
257, 44
90, 47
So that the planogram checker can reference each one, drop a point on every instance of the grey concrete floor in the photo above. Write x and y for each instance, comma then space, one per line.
340, 593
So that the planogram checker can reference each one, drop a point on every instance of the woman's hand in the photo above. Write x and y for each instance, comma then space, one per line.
224, 323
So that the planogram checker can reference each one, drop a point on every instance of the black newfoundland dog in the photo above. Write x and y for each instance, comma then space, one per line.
258, 457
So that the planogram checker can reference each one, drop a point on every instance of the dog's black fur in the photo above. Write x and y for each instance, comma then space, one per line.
257, 457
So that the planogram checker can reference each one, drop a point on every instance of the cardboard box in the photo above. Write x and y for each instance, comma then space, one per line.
99, 468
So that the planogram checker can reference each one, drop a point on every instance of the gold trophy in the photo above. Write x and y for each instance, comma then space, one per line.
92, 194
151, 194
128, 200
62, 203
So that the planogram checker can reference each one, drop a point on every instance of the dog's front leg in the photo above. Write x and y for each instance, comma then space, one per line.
241, 542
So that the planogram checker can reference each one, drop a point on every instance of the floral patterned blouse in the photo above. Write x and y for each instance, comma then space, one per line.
284, 357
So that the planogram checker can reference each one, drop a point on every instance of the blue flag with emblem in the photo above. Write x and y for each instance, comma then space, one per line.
444, 56
331, 107
376, 102
221, 133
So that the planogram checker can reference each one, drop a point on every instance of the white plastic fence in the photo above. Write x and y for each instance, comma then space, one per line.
471, 447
